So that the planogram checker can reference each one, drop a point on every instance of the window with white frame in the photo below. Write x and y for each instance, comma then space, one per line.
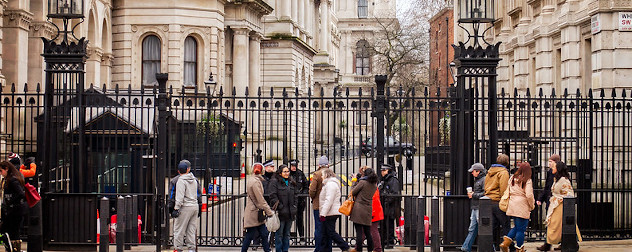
190, 61
151, 59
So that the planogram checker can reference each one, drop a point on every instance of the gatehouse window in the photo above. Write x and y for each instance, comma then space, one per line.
190, 61
151, 59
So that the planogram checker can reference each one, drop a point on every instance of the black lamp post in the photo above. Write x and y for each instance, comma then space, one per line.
475, 64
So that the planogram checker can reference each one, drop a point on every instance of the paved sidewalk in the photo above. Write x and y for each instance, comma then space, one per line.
587, 246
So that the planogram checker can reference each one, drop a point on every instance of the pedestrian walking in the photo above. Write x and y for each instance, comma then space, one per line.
545, 195
521, 202
390, 193
329, 202
186, 209
561, 188
361, 213
256, 210
377, 216
13, 205
283, 195
314, 193
475, 193
302, 190
495, 185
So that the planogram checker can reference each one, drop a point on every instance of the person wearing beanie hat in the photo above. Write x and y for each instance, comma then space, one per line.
302, 190
477, 191
186, 208
14, 159
314, 193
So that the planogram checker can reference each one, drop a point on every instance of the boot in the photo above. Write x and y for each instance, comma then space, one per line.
504, 246
520, 249
17, 245
544, 247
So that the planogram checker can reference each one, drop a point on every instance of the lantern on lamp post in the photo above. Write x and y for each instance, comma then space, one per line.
65, 10
476, 12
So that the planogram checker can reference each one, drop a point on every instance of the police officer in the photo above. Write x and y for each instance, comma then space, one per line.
302, 190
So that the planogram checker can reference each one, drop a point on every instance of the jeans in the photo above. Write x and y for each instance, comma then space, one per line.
330, 234
250, 233
376, 236
500, 222
318, 226
360, 230
282, 237
517, 232
472, 231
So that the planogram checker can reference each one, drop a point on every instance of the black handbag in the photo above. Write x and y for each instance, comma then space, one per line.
261, 215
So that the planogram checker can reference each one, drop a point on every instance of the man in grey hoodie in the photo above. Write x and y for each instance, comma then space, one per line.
186, 208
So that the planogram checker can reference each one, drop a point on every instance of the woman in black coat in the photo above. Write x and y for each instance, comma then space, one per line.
283, 192
13, 203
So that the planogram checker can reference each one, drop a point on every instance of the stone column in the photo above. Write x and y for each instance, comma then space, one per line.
571, 62
254, 64
3, 5
301, 13
16, 47
295, 10
324, 26
93, 66
285, 9
240, 61
106, 68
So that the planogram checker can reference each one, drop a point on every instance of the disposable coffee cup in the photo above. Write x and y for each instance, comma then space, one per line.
469, 189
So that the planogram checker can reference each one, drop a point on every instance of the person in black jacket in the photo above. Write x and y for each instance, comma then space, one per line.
13, 204
390, 196
302, 190
283, 195
475, 193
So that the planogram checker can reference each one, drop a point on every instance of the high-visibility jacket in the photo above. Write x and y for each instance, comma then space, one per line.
30, 172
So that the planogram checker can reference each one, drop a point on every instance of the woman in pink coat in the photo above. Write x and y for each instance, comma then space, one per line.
521, 202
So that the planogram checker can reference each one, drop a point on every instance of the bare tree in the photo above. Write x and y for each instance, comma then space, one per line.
400, 51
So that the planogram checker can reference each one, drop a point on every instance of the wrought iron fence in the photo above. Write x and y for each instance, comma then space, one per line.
223, 134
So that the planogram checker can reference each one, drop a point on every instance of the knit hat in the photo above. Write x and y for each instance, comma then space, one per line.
14, 159
183, 166
323, 161
257, 168
477, 167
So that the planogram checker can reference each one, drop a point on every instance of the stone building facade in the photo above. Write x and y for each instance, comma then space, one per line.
244, 43
562, 44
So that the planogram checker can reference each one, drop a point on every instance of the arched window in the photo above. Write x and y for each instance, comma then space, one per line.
362, 60
151, 59
363, 8
190, 61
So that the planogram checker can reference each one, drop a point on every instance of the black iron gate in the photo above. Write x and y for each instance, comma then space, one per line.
222, 134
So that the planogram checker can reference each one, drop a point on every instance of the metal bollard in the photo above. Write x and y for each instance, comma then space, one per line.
128, 222
421, 230
569, 234
104, 214
134, 217
485, 228
35, 237
120, 224
435, 245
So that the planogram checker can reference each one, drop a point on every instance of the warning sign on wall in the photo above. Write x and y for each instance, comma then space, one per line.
625, 21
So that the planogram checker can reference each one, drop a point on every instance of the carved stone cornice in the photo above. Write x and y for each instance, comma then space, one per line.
240, 31
18, 19
3, 5
42, 29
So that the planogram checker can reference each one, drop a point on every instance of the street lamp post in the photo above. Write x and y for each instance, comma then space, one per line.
476, 61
